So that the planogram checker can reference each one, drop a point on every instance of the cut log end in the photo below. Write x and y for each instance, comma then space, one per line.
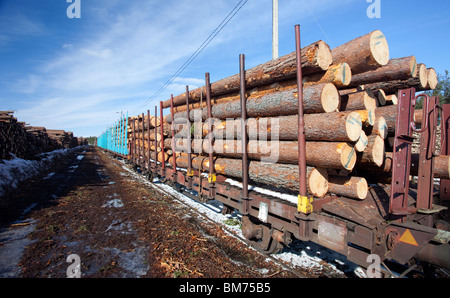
353, 126
323, 55
381, 127
379, 47
361, 144
348, 156
330, 98
413, 66
352, 187
318, 182
377, 149
422, 74
346, 74
432, 78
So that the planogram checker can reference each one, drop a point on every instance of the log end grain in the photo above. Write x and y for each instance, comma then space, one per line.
323, 57
432, 78
413, 66
353, 126
422, 74
361, 144
348, 155
318, 182
381, 127
343, 75
330, 98
352, 187
377, 150
379, 47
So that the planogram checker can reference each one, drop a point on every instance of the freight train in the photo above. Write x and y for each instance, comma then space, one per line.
397, 219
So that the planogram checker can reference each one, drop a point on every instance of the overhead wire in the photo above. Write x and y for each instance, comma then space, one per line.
197, 52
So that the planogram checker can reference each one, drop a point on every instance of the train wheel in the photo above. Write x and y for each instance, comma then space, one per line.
260, 236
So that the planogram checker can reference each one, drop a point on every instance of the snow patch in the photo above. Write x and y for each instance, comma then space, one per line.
16, 170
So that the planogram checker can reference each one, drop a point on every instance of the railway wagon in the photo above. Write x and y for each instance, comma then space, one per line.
394, 217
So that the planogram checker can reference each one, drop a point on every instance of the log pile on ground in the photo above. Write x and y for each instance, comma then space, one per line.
350, 110
25, 141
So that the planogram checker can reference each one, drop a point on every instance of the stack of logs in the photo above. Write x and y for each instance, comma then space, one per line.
350, 110
26, 141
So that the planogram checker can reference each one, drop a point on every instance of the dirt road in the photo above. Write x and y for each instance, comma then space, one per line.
91, 207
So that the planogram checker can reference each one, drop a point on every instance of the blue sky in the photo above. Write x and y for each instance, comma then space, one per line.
79, 74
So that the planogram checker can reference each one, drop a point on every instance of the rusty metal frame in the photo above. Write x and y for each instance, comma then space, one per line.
156, 141
426, 157
244, 138
212, 175
163, 164
444, 191
172, 128
401, 165
148, 141
190, 171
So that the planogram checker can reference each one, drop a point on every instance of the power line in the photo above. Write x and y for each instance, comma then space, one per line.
197, 52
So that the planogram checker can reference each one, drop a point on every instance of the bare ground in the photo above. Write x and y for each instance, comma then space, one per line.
121, 228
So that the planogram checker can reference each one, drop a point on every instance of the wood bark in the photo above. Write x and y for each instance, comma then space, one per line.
441, 165
420, 83
397, 69
281, 175
318, 98
351, 187
330, 155
360, 100
337, 126
315, 58
363, 53
339, 74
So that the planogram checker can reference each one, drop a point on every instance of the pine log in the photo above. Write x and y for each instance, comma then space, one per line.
432, 79
397, 69
281, 175
362, 142
361, 100
363, 53
441, 165
351, 187
315, 58
420, 83
389, 113
374, 152
332, 155
337, 126
384, 99
422, 75
338, 74
257, 91
318, 98
380, 128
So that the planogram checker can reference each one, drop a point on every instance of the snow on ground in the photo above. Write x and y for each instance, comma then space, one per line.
16, 170
306, 255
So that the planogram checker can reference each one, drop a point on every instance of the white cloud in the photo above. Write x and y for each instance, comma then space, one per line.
130, 50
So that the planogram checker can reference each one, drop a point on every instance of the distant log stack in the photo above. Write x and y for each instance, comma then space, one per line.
24, 141
350, 98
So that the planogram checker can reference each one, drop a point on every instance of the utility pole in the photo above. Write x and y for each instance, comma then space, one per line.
274, 29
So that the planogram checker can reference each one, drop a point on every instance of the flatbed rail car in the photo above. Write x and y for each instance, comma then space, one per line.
396, 221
